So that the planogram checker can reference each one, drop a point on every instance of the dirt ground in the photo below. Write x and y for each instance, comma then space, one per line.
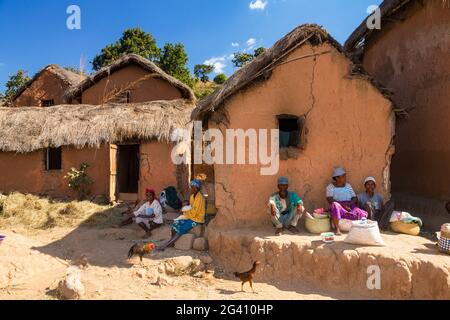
32, 264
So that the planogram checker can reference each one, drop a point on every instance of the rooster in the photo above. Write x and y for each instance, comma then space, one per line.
141, 250
247, 276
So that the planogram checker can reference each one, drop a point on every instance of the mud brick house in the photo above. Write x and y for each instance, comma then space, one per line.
410, 56
330, 110
46, 88
128, 147
130, 79
122, 130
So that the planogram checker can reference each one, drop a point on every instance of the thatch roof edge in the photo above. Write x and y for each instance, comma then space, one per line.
387, 8
27, 129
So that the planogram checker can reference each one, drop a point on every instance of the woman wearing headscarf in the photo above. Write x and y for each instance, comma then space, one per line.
342, 199
191, 218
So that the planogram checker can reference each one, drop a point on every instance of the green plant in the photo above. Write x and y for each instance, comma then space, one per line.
79, 181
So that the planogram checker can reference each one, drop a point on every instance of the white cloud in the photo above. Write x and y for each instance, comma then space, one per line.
218, 63
258, 4
235, 44
251, 42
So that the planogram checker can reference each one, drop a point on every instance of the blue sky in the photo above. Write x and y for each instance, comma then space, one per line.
34, 33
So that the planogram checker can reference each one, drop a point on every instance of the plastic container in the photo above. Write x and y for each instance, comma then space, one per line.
327, 237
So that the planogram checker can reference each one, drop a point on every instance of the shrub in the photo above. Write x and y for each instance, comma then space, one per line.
79, 181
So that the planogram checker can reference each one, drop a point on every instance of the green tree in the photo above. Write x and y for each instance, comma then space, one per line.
14, 83
202, 71
174, 61
259, 51
133, 40
220, 78
242, 58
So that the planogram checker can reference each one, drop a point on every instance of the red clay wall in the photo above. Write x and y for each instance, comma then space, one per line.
157, 169
46, 87
26, 172
411, 57
349, 124
149, 90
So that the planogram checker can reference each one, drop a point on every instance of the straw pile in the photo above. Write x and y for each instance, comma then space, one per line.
32, 212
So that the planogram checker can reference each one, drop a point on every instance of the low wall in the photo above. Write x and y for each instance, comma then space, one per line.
410, 267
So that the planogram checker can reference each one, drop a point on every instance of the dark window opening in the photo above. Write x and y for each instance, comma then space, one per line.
53, 159
122, 97
48, 103
291, 128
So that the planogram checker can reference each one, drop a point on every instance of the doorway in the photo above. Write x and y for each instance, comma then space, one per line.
128, 169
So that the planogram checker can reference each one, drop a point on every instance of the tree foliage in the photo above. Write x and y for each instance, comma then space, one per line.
174, 61
14, 83
220, 78
133, 40
242, 58
202, 71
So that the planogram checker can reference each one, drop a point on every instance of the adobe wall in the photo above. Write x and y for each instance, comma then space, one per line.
26, 172
349, 123
157, 170
411, 58
46, 87
147, 90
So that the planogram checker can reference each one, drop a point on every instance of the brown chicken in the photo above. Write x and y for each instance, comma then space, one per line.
141, 250
247, 276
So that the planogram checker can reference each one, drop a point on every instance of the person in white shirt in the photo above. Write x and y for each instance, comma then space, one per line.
148, 216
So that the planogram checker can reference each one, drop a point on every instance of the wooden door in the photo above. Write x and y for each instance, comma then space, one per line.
113, 149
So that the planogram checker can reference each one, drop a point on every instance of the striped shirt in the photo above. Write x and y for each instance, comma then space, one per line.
345, 193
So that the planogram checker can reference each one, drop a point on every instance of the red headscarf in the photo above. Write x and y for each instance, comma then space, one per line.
153, 192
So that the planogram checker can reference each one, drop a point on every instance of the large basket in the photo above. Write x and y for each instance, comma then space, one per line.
317, 226
412, 229
444, 244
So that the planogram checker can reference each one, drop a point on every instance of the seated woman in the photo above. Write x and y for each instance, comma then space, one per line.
373, 203
342, 199
189, 219
285, 207
148, 216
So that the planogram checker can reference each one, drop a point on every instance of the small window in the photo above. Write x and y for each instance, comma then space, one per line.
291, 131
122, 97
53, 159
48, 103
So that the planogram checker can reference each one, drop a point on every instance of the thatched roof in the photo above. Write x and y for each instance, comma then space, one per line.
123, 62
28, 129
358, 37
69, 77
260, 68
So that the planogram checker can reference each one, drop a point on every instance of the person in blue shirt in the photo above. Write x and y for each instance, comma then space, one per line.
374, 204
285, 208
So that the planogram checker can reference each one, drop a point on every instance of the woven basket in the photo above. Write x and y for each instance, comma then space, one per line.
317, 226
444, 244
412, 229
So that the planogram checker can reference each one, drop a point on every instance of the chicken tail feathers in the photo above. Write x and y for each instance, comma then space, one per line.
131, 251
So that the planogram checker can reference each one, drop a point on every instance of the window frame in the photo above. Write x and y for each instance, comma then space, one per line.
301, 125
47, 160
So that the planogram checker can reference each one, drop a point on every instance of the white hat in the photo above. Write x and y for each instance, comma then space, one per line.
338, 172
370, 179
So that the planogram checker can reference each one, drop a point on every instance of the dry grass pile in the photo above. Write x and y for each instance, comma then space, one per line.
32, 212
